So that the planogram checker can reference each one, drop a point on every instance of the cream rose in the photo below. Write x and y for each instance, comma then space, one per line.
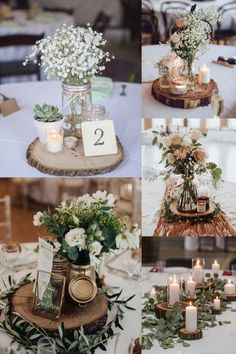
199, 155
175, 139
166, 141
182, 152
196, 134
170, 158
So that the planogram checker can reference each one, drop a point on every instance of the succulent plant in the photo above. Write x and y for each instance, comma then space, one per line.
46, 113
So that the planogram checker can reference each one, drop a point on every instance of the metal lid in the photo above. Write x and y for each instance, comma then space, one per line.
82, 289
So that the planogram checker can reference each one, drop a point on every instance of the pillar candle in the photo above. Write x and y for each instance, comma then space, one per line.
198, 273
174, 292
191, 318
229, 288
204, 75
216, 303
215, 267
190, 287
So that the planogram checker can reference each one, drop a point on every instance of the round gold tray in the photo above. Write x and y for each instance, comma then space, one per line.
174, 209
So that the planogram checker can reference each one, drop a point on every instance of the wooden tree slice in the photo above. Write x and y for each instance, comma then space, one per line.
184, 334
93, 317
174, 209
231, 297
72, 162
162, 308
201, 96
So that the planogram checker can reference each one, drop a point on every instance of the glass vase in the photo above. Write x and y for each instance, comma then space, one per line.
190, 77
97, 112
165, 81
188, 197
75, 100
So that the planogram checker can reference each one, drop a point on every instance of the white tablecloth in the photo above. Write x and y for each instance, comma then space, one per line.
217, 340
131, 323
225, 78
17, 130
228, 21
152, 196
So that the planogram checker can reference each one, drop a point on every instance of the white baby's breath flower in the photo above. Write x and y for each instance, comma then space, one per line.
38, 219
76, 238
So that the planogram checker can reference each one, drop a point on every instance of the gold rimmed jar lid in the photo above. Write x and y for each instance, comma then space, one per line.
82, 289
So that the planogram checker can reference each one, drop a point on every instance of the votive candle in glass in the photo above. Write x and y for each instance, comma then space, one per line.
216, 303
215, 267
198, 270
190, 287
54, 140
204, 75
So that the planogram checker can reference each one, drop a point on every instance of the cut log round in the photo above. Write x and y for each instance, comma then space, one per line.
231, 297
184, 334
162, 308
72, 162
201, 96
93, 317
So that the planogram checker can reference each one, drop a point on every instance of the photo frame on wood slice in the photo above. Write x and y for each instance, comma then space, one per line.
49, 294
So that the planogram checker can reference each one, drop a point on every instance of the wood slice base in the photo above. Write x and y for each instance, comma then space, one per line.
161, 309
216, 312
72, 162
189, 215
93, 317
231, 297
201, 96
184, 334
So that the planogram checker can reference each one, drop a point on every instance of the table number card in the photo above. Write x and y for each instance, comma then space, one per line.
99, 138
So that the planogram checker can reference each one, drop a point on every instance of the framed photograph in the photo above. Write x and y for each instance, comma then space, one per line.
49, 294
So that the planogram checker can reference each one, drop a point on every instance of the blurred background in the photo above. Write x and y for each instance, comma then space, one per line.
20, 198
179, 251
158, 17
22, 22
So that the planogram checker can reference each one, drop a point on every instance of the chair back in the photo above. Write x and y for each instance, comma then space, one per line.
170, 10
15, 68
147, 5
22, 4
68, 11
225, 10
6, 224
149, 26
101, 22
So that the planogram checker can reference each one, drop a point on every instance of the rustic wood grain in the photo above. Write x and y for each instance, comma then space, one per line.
72, 162
200, 97
162, 308
93, 317
189, 335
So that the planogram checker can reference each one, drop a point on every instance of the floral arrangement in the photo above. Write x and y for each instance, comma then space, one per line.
73, 54
169, 63
193, 34
87, 228
184, 155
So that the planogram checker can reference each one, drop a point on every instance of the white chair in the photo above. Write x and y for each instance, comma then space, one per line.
6, 224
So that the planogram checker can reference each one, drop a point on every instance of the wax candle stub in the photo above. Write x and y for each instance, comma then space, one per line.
204, 75
216, 303
215, 267
191, 318
229, 288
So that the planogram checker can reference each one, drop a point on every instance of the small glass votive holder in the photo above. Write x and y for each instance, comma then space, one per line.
198, 265
70, 142
95, 113
174, 289
178, 86
201, 206
54, 140
190, 288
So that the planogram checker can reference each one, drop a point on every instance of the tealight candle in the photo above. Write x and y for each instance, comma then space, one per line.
152, 294
191, 318
70, 142
204, 75
198, 272
190, 287
229, 288
215, 267
201, 206
54, 140
174, 291
216, 303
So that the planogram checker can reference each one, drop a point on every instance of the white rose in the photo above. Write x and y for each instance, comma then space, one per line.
38, 219
170, 158
76, 238
196, 134
175, 38
95, 248
166, 141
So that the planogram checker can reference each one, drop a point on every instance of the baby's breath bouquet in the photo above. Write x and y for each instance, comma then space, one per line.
193, 35
73, 54
88, 227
